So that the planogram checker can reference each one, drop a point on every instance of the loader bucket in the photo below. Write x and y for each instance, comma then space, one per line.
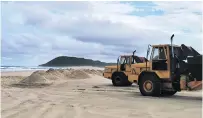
195, 67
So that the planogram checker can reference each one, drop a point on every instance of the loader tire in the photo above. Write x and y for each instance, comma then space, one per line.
128, 83
168, 93
150, 85
120, 79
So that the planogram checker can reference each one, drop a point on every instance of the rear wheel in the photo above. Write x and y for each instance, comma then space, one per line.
128, 83
120, 79
149, 85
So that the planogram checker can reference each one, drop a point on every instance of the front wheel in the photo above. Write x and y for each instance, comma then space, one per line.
149, 85
168, 93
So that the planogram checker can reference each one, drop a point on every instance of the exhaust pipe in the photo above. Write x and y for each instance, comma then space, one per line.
172, 51
174, 78
134, 52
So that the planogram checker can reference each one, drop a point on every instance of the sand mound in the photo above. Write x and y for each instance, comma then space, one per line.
93, 72
51, 76
79, 74
36, 78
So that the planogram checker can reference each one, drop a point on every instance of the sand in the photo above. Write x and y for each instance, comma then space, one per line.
89, 97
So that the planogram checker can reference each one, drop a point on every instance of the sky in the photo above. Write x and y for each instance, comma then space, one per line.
36, 32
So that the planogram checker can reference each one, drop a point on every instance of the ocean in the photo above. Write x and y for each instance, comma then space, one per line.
26, 68
35, 68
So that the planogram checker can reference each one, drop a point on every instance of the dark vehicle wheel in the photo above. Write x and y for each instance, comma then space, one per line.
168, 93
149, 85
120, 79
128, 83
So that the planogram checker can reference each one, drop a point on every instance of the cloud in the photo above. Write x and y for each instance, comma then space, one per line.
36, 32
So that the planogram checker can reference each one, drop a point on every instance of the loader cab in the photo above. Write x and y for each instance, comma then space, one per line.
124, 61
159, 57
161, 60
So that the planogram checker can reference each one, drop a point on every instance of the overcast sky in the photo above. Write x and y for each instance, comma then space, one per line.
36, 32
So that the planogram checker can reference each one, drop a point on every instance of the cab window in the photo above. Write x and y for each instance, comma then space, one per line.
162, 53
155, 55
128, 60
158, 54
125, 60
122, 60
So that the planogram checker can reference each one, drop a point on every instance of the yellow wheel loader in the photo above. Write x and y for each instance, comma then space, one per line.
170, 68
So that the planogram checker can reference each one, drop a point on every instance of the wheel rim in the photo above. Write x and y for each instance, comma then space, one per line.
148, 86
118, 79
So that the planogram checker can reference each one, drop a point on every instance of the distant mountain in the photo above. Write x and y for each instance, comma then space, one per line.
75, 61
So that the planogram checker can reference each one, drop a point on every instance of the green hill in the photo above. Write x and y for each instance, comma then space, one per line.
74, 61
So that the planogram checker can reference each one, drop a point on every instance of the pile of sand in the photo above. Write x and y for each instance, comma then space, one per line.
50, 76
79, 74
93, 72
38, 78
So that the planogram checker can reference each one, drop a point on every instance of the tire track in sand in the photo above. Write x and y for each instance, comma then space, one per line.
51, 110
78, 111
19, 110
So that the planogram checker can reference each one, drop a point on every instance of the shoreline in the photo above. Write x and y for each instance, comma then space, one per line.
17, 73
20, 69
29, 72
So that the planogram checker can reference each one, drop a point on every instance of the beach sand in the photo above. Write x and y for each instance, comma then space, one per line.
92, 97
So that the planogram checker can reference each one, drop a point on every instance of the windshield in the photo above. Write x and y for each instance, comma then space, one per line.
122, 60
158, 53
